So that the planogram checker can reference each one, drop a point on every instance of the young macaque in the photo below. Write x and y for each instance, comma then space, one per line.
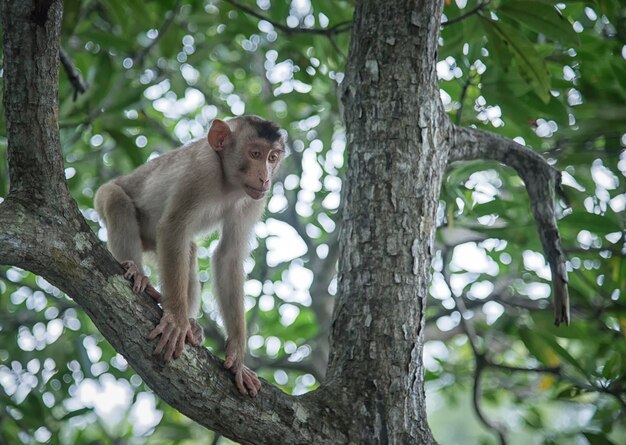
214, 183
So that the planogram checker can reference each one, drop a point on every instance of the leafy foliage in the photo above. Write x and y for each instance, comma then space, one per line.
551, 75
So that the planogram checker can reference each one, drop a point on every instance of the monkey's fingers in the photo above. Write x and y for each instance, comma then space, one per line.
251, 381
257, 382
165, 329
130, 269
140, 283
239, 383
157, 330
196, 335
230, 361
175, 345
180, 345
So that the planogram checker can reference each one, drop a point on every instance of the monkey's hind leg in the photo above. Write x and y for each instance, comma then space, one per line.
140, 281
124, 240
193, 301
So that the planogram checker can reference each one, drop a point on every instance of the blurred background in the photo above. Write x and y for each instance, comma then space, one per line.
140, 78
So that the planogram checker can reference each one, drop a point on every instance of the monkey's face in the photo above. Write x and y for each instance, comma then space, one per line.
259, 163
250, 149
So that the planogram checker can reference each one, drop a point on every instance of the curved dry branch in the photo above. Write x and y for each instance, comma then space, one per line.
541, 180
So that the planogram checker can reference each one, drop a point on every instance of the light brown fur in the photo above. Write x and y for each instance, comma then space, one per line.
218, 183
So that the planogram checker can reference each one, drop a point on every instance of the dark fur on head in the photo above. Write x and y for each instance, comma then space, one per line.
264, 129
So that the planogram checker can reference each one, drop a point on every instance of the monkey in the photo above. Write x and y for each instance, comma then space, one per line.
215, 183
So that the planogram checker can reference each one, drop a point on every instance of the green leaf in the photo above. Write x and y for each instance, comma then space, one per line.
71, 10
562, 352
537, 347
542, 18
600, 224
613, 367
127, 146
108, 40
597, 439
501, 54
529, 63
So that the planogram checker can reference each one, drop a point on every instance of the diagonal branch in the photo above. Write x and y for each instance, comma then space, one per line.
169, 19
480, 356
196, 384
542, 181
469, 13
339, 28
73, 75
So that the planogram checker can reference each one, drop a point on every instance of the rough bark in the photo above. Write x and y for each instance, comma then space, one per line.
399, 139
31, 78
397, 152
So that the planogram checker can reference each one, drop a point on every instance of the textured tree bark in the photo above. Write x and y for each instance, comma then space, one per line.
30, 98
397, 153
399, 142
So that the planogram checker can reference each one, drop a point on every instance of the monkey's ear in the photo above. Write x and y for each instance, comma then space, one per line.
218, 133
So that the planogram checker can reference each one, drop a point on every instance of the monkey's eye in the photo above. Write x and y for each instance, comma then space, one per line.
273, 158
255, 154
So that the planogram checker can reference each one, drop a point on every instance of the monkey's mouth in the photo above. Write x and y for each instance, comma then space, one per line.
255, 193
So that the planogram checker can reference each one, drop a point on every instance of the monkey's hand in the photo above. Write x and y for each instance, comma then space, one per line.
174, 330
246, 380
140, 281
198, 332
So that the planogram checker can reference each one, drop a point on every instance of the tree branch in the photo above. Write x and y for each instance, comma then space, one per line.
471, 12
169, 19
74, 76
498, 429
541, 180
339, 28
197, 383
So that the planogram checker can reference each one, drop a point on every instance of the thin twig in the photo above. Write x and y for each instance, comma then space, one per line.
479, 356
476, 392
339, 28
73, 75
556, 370
472, 11
459, 112
139, 58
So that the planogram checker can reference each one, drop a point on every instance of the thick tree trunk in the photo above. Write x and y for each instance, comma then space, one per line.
397, 154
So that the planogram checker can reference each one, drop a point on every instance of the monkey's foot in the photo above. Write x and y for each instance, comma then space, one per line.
174, 332
197, 333
140, 281
246, 380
